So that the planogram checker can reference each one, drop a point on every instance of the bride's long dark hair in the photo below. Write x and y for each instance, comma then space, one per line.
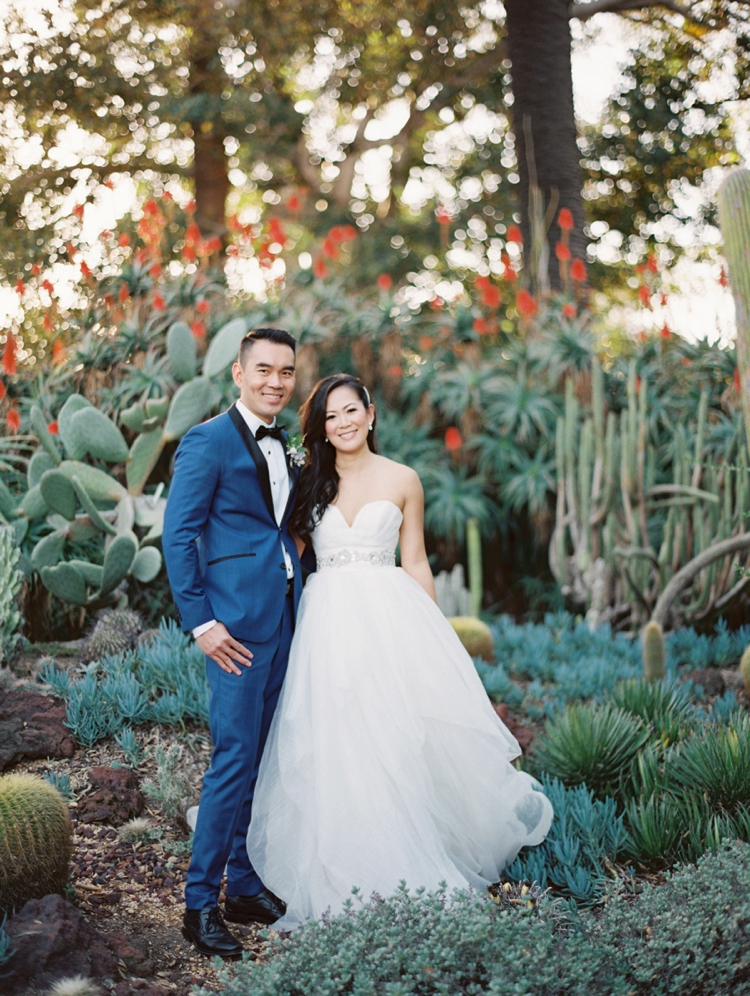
319, 481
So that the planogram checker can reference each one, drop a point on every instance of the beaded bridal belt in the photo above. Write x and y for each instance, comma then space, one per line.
379, 558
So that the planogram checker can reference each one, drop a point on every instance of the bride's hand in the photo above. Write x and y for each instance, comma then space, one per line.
217, 644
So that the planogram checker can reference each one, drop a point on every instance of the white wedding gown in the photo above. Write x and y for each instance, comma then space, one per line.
385, 760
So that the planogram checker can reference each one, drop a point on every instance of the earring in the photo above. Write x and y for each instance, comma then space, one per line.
370, 426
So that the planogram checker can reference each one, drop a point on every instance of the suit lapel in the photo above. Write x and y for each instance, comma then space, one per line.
255, 452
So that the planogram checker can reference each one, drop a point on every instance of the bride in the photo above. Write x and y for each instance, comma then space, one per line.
385, 760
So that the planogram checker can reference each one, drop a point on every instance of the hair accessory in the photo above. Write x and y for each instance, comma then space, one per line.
367, 395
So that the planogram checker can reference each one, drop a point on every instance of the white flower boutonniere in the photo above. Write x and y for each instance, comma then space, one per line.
296, 453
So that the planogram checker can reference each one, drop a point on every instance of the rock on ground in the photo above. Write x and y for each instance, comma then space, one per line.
115, 799
31, 726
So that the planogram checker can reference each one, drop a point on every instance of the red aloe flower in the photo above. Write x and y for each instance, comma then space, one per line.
13, 420
53, 428
569, 310
578, 271
453, 440
565, 219
385, 281
526, 304
9, 355
515, 235
562, 252
198, 329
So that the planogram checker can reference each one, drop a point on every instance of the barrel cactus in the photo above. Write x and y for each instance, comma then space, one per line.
654, 655
35, 840
475, 635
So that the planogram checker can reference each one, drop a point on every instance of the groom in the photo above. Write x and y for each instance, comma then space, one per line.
236, 580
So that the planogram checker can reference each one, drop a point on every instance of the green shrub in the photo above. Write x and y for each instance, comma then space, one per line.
688, 937
591, 744
170, 791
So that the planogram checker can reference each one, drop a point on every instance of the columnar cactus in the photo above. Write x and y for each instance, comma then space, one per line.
474, 558
745, 671
733, 201
654, 655
35, 840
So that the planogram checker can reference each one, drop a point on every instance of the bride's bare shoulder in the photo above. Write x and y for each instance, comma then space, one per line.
399, 473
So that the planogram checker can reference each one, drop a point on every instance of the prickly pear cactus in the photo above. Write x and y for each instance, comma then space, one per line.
35, 840
654, 655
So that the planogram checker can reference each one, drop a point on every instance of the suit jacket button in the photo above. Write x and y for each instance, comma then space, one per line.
283, 567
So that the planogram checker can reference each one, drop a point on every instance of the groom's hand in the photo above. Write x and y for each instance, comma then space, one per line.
217, 644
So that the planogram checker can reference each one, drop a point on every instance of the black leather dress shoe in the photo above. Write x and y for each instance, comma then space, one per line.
206, 930
263, 908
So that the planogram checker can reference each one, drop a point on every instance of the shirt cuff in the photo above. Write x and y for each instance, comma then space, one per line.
203, 628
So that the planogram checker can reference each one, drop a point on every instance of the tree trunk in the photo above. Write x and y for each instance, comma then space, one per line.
539, 46
210, 169
210, 175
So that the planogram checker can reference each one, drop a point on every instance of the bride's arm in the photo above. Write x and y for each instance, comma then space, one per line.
413, 554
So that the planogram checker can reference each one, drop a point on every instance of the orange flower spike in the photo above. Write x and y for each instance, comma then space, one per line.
562, 252
192, 233
124, 293
736, 379
36, 270
723, 278
2, 390
480, 326
515, 235
569, 310
47, 322
652, 264
20, 287
565, 219
482, 283
85, 269
202, 306
53, 428
78, 211
578, 271
123, 240
320, 270
13, 420
198, 329
10, 365
425, 343
58, 352
526, 304
453, 440
491, 296
644, 295
330, 249
155, 270
385, 282
159, 303
293, 203
47, 285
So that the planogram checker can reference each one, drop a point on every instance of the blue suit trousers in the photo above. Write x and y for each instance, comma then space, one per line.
240, 713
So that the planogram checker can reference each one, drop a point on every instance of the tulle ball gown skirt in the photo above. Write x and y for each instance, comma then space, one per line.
385, 761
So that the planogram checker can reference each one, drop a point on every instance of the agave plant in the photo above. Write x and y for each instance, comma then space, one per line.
591, 743
522, 410
452, 497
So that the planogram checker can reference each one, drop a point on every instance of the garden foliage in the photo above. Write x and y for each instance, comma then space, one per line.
688, 937
163, 681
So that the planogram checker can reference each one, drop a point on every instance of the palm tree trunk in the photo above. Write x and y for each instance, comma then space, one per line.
539, 45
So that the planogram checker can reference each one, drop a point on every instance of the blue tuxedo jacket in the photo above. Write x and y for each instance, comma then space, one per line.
221, 541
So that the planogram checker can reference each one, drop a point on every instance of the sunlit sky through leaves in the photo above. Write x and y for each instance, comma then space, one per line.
698, 308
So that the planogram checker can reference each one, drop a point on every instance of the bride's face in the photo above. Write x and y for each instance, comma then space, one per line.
347, 422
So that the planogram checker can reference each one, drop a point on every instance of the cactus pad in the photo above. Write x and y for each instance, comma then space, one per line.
66, 582
190, 405
99, 485
132, 418
73, 449
91, 510
39, 462
39, 425
35, 840
33, 504
181, 350
59, 493
224, 347
144, 454
118, 560
48, 550
158, 407
101, 437
147, 564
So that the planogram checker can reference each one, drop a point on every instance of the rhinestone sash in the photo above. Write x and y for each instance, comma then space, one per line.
378, 558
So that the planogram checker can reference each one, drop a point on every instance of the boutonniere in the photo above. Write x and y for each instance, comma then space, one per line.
295, 452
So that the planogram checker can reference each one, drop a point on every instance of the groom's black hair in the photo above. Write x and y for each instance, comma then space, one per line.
280, 336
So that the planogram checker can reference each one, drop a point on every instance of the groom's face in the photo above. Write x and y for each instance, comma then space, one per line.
266, 378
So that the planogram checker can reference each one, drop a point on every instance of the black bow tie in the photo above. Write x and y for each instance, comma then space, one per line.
269, 430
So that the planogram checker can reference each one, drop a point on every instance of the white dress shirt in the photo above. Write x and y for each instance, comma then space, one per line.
278, 473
